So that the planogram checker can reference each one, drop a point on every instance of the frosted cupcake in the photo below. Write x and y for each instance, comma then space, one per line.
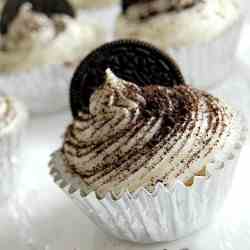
13, 118
148, 163
40, 49
201, 35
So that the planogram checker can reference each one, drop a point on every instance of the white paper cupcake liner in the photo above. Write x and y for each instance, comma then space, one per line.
208, 64
10, 144
43, 90
164, 215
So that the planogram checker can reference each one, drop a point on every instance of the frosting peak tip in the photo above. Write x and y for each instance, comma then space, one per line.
110, 76
113, 81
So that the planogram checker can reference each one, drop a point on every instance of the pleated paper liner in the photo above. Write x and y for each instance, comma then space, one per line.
207, 65
164, 215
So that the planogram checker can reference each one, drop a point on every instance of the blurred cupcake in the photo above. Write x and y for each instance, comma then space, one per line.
202, 35
13, 118
40, 47
147, 163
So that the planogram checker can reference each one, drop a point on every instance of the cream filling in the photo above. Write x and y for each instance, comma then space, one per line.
110, 147
198, 24
34, 40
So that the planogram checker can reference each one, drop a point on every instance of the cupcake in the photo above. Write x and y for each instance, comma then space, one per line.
199, 34
40, 46
13, 117
146, 162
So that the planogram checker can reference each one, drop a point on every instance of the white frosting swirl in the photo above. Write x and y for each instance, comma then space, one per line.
136, 137
33, 39
198, 24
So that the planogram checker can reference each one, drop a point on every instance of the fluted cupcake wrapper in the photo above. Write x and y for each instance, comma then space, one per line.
208, 64
10, 144
166, 214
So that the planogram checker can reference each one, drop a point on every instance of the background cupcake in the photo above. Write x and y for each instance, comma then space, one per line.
201, 35
147, 163
40, 47
12, 124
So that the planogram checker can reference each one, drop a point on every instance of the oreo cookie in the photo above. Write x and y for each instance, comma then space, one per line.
131, 60
48, 7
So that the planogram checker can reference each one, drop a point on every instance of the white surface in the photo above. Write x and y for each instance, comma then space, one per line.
41, 217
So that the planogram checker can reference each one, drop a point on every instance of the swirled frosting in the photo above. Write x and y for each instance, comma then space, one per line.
136, 137
33, 39
178, 23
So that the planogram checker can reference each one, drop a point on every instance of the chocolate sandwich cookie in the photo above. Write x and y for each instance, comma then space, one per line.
131, 60
48, 7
